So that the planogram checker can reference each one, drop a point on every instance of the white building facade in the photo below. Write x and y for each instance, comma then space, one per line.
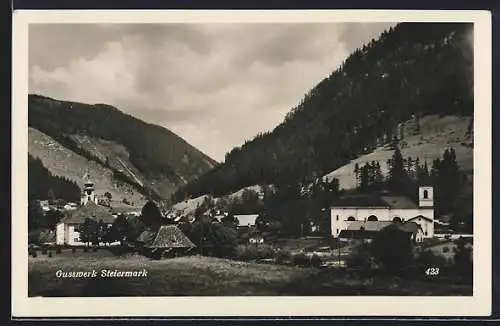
385, 208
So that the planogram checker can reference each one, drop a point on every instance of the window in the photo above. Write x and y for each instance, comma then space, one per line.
337, 231
397, 220
76, 239
351, 218
76, 228
337, 217
372, 218
426, 194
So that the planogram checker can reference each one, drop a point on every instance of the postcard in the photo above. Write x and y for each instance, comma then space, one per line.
251, 163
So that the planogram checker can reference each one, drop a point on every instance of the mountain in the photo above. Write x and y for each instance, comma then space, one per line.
412, 71
122, 154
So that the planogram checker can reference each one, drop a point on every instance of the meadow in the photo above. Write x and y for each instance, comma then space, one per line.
209, 276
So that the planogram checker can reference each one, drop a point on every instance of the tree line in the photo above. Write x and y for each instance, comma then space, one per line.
410, 71
44, 185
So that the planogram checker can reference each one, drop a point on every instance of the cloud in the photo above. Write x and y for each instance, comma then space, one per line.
215, 85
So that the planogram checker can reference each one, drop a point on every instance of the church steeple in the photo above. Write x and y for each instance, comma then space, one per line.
88, 193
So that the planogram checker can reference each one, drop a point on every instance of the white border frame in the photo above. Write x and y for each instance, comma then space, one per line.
477, 305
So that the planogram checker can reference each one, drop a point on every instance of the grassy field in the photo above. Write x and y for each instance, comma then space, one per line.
206, 276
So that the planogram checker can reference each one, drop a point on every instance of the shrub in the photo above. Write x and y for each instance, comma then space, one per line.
252, 252
393, 249
446, 249
360, 258
315, 261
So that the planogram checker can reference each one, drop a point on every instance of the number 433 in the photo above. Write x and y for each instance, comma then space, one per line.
432, 271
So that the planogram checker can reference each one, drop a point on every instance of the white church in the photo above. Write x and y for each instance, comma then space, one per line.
68, 229
378, 211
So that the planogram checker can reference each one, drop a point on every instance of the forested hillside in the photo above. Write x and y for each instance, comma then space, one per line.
43, 185
150, 157
411, 71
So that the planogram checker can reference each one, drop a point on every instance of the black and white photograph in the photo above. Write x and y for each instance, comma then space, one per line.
253, 158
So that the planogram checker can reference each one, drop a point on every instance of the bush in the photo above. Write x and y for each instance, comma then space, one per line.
252, 252
446, 249
282, 256
315, 261
393, 249
360, 258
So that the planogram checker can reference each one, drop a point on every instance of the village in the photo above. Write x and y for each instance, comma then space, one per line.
91, 228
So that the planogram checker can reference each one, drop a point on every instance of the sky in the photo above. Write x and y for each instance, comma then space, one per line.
214, 85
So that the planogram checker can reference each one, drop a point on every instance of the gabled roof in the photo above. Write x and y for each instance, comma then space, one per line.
373, 200
360, 229
399, 202
167, 236
368, 225
90, 210
360, 201
246, 220
420, 216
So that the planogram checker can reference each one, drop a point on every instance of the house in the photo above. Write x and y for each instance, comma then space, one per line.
168, 238
247, 220
368, 230
384, 208
69, 228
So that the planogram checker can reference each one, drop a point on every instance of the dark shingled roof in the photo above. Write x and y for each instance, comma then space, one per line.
399, 202
386, 201
368, 225
368, 229
90, 210
360, 201
167, 236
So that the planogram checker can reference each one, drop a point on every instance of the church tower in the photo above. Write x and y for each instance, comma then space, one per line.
426, 196
88, 193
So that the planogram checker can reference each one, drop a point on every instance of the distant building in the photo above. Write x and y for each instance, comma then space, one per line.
69, 228
368, 230
247, 220
384, 208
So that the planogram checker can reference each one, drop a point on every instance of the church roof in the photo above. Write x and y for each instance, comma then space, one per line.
360, 201
89, 210
384, 201
399, 202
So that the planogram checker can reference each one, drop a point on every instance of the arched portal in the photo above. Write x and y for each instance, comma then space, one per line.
372, 218
397, 220
351, 218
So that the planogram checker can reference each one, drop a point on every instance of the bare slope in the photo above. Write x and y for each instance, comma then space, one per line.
436, 134
63, 162
146, 154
